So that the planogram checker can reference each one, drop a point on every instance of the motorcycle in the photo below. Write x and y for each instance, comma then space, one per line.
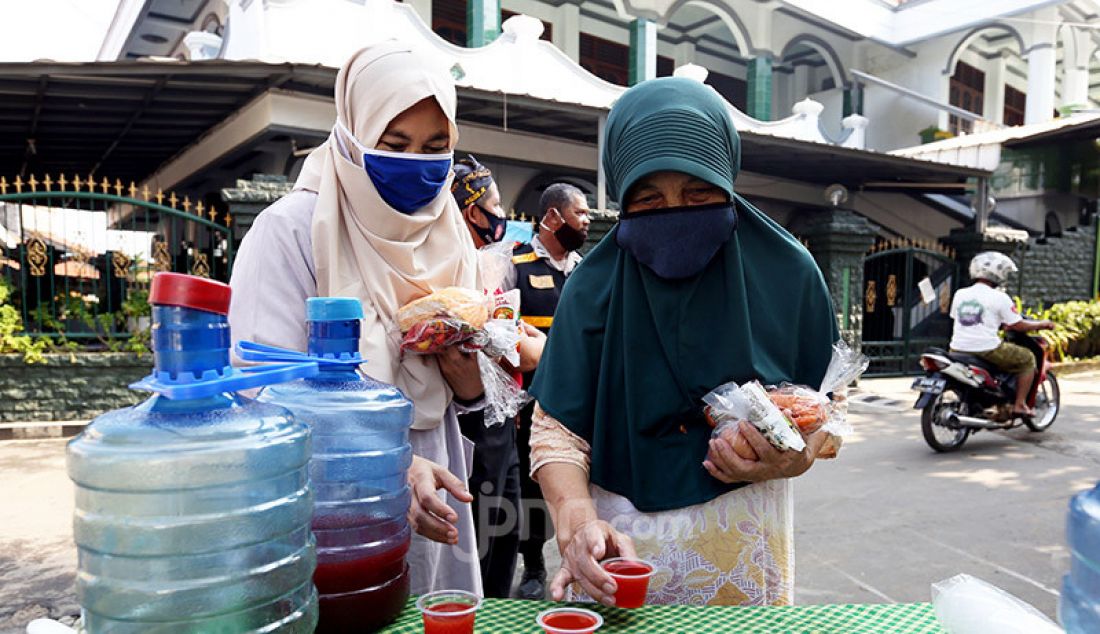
961, 394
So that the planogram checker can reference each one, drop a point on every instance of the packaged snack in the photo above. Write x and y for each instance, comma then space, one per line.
812, 409
729, 403
808, 409
486, 323
443, 318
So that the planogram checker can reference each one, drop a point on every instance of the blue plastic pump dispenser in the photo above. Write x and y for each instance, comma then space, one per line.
1079, 604
361, 454
193, 507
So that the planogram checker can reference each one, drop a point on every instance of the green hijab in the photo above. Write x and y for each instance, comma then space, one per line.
630, 354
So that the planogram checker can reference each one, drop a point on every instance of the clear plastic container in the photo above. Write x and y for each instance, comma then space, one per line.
193, 508
1079, 604
361, 454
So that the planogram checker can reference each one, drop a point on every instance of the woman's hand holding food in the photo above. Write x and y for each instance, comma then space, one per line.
726, 465
428, 514
461, 372
582, 550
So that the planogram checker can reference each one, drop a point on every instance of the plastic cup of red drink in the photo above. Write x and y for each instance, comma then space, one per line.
632, 578
449, 611
569, 621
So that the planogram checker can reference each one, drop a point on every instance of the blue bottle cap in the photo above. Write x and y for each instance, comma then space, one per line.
333, 309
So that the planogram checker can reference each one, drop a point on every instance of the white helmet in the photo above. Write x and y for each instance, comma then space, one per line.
992, 266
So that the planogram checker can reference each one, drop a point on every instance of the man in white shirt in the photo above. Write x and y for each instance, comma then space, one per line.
981, 310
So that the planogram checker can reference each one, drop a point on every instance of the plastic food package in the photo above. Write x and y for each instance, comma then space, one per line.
729, 403
443, 318
485, 323
809, 409
503, 396
813, 409
501, 335
968, 605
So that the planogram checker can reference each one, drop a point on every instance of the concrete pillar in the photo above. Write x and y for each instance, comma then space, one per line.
800, 82
1041, 65
567, 31
760, 87
684, 53
994, 107
853, 100
482, 22
783, 91
1075, 86
250, 197
1040, 83
839, 239
967, 243
643, 51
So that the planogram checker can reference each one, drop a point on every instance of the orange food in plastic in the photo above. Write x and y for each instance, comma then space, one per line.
805, 410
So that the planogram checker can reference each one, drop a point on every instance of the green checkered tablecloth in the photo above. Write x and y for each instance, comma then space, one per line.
506, 616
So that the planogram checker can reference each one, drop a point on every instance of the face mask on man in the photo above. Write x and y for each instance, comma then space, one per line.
678, 242
406, 181
495, 231
569, 237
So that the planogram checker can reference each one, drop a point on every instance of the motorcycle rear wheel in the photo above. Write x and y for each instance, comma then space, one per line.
936, 433
1048, 401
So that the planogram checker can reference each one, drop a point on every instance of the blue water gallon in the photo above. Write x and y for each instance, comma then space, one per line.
361, 454
1079, 605
193, 508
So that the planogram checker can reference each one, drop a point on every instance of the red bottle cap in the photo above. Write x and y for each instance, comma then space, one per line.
188, 291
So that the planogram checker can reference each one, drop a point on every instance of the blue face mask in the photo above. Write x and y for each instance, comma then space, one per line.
678, 242
406, 181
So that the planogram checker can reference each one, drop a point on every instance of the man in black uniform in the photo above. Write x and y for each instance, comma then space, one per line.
494, 479
539, 271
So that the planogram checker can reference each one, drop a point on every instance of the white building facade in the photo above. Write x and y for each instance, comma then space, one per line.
951, 66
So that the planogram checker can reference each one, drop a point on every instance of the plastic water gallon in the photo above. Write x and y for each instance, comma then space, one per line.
1079, 605
193, 508
361, 453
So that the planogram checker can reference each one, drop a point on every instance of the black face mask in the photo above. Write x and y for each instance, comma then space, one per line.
495, 231
677, 242
569, 237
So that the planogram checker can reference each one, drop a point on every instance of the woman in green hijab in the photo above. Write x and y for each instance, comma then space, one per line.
693, 288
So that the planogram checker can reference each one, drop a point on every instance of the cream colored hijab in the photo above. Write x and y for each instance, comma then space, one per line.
364, 248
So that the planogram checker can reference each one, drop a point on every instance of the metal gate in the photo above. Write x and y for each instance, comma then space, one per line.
898, 324
78, 255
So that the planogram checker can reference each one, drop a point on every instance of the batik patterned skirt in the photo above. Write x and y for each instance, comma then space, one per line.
737, 549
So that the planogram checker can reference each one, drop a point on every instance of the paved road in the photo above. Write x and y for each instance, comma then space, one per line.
37, 558
891, 516
880, 524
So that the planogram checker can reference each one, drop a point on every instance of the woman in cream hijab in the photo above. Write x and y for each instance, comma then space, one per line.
372, 216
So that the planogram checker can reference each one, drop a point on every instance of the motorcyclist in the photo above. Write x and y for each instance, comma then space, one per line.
981, 310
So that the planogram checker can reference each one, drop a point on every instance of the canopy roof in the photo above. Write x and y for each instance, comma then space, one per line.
125, 119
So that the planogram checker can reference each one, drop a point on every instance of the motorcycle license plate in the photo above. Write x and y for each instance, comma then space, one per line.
930, 385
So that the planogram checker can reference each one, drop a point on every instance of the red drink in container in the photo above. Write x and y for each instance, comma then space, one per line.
449, 611
569, 621
632, 578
